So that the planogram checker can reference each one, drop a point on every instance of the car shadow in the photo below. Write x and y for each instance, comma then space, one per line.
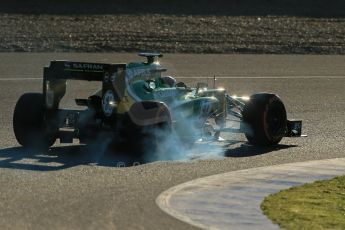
247, 150
62, 157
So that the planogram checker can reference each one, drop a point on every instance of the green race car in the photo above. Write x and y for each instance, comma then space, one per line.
136, 103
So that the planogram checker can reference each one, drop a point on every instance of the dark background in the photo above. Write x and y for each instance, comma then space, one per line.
306, 8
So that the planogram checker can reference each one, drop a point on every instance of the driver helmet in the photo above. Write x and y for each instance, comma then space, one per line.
169, 81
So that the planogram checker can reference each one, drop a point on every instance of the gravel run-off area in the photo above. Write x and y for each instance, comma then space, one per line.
171, 33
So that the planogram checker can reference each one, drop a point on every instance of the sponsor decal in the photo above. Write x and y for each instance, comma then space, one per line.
67, 65
165, 93
83, 66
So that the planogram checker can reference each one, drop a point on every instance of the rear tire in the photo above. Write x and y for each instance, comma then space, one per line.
29, 123
264, 118
141, 140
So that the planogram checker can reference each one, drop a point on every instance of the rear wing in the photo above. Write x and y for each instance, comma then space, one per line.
57, 73
66, 70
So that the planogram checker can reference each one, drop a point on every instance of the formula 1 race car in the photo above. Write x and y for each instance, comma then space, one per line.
134, 100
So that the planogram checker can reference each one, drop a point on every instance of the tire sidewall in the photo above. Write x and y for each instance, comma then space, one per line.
29, 123
255, 114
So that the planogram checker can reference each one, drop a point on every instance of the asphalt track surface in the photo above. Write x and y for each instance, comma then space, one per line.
78, 187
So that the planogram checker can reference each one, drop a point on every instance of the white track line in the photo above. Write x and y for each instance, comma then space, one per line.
267, 77
21, 79
205, 77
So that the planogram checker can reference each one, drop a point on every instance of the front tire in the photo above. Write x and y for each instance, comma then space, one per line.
30, 125
264, 119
